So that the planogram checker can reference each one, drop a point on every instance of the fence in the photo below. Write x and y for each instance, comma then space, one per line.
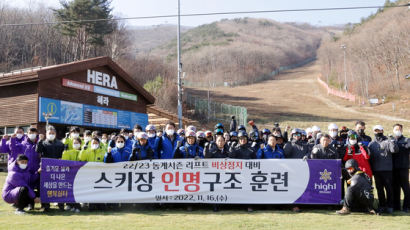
206, 111
256, 79
338, 93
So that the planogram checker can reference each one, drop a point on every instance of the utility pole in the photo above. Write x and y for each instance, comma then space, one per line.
179, 67
343, 46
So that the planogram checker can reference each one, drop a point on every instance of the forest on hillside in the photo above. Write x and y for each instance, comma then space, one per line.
374, 54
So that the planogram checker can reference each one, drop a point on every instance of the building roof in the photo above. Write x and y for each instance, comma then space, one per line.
43, 73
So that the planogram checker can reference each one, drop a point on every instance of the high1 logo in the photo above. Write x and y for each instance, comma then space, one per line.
101, 79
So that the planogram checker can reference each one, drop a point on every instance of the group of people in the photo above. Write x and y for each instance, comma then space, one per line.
384, 158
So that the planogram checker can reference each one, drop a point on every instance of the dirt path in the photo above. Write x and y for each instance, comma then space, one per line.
295, 98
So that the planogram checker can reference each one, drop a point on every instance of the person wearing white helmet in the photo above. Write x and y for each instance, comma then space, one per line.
200, 135
309, 133
315, 131
169, 143
381, 162
191, 127
336, 141
141, 150
152, 137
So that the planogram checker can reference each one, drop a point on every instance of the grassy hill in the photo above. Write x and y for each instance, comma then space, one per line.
241, 49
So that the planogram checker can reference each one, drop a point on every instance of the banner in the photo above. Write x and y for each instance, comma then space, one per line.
231, 181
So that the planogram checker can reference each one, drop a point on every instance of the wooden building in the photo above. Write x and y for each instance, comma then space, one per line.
94, 94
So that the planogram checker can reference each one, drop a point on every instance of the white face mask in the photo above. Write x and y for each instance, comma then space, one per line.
352, 142
397, 133
136, 135
19, 135
333, 134
126, 137
87, 139
51, 137
75, 135
104, 140
32, 136
23, 166
95, 146
170, 132
120, 145
76, 146
151, 135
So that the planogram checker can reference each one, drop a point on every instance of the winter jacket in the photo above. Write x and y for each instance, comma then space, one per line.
401, 158
214, 152
168, 147
15, 147
118, 155
142, 152
359, 153
190, 151
34, 157
320, 152
17, 178
71, 155
268, 153
296, 149
50, 149
245, 152
380, 152
92, 155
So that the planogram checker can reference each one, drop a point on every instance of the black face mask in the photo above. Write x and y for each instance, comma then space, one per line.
344, 136
378, 135
361, 132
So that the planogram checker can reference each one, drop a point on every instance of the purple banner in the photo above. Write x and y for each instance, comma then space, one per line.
230, 181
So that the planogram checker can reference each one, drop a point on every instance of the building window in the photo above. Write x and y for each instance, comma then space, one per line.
10, 129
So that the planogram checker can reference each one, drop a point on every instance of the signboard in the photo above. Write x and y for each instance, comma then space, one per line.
70, 113
273, 181
97, 89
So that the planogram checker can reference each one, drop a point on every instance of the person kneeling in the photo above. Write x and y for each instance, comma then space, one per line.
16, 190
359, 195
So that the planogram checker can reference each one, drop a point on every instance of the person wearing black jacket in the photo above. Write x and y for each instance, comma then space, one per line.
243, 151
359, 195
50, 147
381, 162
324, 150
220, 150
401, 169
360, 126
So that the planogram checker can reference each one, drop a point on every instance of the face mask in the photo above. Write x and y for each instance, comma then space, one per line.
170, 132
23, 166
151, 135
87, 139
353, 142
76, 146
104, 140
136, 134
397, 133
75, 135
19, 135
361, 131
333, 134
126, 137
378, 134
95, 146
32, 136
120, 145
51, 137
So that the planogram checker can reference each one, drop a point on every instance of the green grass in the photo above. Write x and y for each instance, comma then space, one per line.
201, 218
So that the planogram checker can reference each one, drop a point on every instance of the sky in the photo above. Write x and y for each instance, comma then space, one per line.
138, 8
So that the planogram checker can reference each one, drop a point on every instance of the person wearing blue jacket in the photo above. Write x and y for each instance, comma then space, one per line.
153, 139
119, 153
271, 150
191, 149
141, 150
169, 143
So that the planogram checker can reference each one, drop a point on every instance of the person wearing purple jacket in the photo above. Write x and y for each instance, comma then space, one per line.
13, 146
16, 189
29, 149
